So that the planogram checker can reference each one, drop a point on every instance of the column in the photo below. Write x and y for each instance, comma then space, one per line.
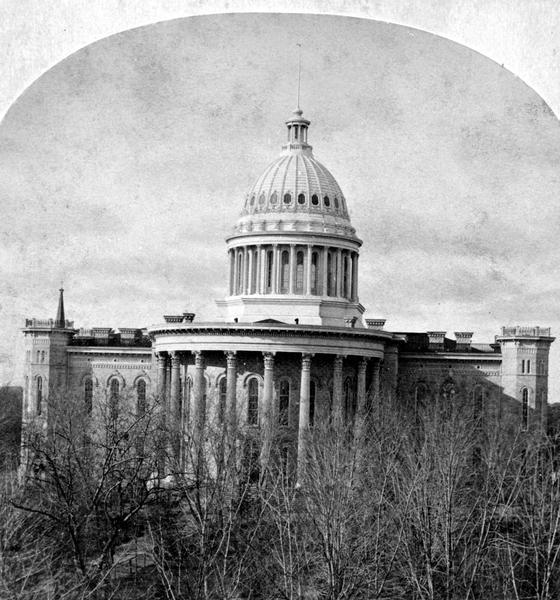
325, 271
250, 283
230, 411
267, 408
337, 399
338, 286
161, 360
175, 389
174, 421
235, 273
361, 391
245, 277
231, 271
292, 268
168, 385
199, 404
275, 261
184, 393
349, 286
308, 270
303, 415
355, 276
258, 286
375, 379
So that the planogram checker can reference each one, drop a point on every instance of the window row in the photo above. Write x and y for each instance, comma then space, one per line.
40, 356
114, 389
299, 200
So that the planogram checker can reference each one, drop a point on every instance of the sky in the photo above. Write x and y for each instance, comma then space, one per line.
124, 165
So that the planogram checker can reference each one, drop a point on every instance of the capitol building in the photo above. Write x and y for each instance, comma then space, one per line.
293, 346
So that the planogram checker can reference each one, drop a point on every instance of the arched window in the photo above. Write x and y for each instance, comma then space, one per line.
88, 395
284, 272
287, 198
253, 402
114, 397
284, 402
326, 201
523, 366
42, 356
141, 397
528, 366
315, 273
331, 273
335, 202
39, 395
301, 199
525, 409
315, 200
299, 272
222, 391
349, 400
312, 396
269, 269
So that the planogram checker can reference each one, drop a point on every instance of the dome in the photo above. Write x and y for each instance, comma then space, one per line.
296, 192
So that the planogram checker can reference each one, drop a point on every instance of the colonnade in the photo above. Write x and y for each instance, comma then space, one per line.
298, 269
171, 369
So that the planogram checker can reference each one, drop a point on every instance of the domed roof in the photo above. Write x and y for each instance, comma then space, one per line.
296, 192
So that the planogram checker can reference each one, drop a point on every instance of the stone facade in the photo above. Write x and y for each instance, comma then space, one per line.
293, 346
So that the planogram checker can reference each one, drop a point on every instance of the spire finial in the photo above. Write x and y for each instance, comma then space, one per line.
60, 321
299, 73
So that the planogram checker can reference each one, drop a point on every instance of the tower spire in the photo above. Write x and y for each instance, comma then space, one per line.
299, 74
60, 322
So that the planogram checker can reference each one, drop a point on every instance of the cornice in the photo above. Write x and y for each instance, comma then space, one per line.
278, 330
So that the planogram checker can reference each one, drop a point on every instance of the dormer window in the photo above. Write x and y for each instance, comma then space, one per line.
326, 201
301, 199
287, 198
314, 200
273, 198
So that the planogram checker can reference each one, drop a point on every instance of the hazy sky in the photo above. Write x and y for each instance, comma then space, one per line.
123, 167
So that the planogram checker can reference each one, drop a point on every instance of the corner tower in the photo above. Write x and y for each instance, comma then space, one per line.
46, 342
524, 374
293, 253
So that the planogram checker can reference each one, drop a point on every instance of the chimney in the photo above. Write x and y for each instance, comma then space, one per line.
436, 339
464, 340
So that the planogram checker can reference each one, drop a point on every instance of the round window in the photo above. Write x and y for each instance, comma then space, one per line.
301, 199
314, 200
287, 198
